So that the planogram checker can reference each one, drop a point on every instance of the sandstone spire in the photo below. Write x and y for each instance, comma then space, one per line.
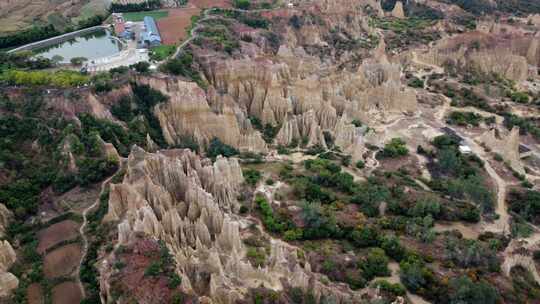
398, 11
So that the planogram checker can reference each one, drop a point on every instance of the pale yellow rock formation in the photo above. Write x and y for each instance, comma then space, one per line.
189, 203
506, 144
5, 217
501, 62
108, 150
511, 60
188, 114
8, 282
398, 11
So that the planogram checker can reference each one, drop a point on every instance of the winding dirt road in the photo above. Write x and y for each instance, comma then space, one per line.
104, 184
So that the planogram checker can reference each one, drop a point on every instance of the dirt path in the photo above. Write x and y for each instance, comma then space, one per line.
500, 225
83, 226
436, 69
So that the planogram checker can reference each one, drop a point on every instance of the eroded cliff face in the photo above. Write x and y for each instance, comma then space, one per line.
190, 204
5, 217
504, 50
296, 98
506, 144
301, 88
8, 281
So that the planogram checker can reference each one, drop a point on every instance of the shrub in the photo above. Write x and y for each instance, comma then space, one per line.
252, 176
464, 118
360, 164
217, 148
242, 4
153, 269
464, 290
376, 264
519, 97
395, 289
365, 237
416, 82
392, 247
293, 234
141, 67
395, 148
413, 274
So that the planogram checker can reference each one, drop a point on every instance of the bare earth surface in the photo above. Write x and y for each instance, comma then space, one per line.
34, 294
173, 29
57, 233
62, 261
66, 293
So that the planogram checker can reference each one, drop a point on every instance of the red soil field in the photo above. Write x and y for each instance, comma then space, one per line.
34, 294
173, 27
66, 293
57, 233
62, 261
210, 3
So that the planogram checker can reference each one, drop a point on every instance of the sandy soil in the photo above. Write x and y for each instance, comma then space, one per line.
66, 293
57, 233
62, 261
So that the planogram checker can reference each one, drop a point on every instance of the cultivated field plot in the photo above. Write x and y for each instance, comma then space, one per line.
16, 15
173, 29
66, 293
139, 16
34, 294
62, 261
56, 234
210, 3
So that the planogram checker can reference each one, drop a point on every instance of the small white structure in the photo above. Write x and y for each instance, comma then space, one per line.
464, 149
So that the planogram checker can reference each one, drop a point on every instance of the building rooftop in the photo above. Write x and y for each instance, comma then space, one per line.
150, 25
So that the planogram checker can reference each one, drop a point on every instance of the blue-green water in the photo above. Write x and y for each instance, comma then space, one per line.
92, 46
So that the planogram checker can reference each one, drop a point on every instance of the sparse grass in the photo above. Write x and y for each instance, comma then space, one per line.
162, 52
139, 16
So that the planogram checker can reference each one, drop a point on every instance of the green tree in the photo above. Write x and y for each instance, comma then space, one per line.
376, 264
395, 148
242, 4
464, 291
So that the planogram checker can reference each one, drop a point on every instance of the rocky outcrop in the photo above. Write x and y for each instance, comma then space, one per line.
304, 104
189, 114
501, 62
296, 88
108, 150
522, 260
5, 217
506, 144
398, 11
507, 52
8, 282
190, 204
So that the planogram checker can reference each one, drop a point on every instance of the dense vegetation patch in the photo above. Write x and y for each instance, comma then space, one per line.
458, 175
217, 34
526, 204
147, 5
